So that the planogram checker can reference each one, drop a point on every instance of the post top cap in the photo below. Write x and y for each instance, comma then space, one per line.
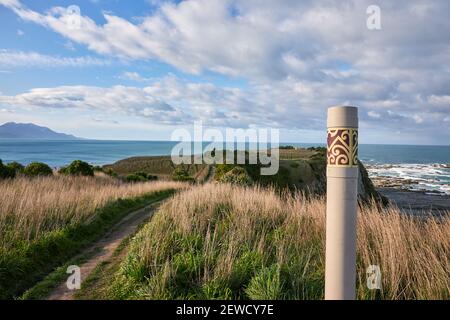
347, 108
342, 117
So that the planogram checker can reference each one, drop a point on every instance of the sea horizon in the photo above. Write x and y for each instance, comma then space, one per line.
59, 151
150, 140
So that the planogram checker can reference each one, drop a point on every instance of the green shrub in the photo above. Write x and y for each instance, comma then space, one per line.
237, 175
140, 177
181, 174
35, 169
16, 167
110, 172
135, 178
145, 175
148, 176
62, 170
222, 169
6, 172
78, 168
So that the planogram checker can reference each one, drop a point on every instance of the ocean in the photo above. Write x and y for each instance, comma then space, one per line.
423, 167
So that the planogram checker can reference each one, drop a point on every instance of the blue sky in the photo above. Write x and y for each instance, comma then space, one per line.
140, 69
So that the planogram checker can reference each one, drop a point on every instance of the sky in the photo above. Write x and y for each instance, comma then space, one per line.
137, 70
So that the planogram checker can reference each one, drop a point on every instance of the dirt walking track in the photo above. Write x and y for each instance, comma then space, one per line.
103, 249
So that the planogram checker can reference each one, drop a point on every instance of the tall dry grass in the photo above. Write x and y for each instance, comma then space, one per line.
31, 207
223, 241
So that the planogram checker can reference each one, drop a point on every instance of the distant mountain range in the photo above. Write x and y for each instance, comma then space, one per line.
12, 130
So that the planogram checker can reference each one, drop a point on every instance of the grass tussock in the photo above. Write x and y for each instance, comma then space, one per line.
32, 207
221, 242
45, 220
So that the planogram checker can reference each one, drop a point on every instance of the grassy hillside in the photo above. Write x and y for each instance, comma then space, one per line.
45, 220
220, 241
161, 166
300, 169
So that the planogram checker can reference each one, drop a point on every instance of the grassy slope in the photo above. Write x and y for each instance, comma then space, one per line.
300, 169
161, 166
303, 170
290, 174
224, 242
28, 263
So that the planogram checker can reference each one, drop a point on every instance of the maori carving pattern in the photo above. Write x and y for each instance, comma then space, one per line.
342, 147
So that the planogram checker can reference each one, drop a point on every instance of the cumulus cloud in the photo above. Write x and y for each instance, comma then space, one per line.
263, 38
298, 57
170, 100
115, 100
173, 101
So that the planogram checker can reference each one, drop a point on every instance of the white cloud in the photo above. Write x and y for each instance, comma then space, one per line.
418, 119
173, 101
118, 99
439, 101
259, 38
133, 76
374, 114
298, 57
287, 104
11, 58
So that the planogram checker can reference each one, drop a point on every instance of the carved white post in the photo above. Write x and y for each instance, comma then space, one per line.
342, 184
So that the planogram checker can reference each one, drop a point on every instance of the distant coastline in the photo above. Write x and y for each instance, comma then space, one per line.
13, 130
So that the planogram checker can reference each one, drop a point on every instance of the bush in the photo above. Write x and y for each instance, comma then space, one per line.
35, 169
287, 148
16, 167
6, 172
140, 177
135, 178
146, 175
78, 168
237, 175
110, 172
222, 169
181, 174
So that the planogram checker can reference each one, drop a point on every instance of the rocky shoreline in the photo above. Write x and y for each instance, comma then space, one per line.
402, 183
415, 202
